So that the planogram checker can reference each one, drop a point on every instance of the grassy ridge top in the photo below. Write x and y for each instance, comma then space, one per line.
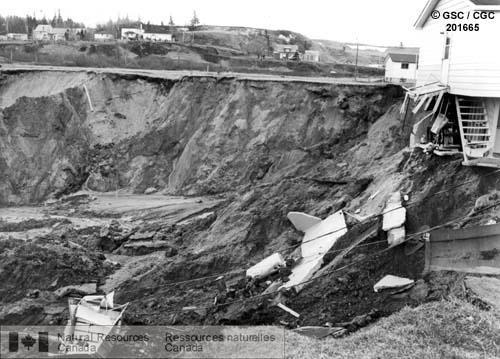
445, 329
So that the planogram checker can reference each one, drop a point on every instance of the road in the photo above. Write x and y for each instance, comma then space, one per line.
177, 75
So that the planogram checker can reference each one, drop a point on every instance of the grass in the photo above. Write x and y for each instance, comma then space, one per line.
445, 329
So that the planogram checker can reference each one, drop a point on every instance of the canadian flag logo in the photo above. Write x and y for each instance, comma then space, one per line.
29, 342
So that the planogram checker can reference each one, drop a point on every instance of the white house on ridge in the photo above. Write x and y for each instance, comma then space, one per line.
458, 77
401, 65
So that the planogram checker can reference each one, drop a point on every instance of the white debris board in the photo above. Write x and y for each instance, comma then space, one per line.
392, 281
394, 213
317, 241
266, 266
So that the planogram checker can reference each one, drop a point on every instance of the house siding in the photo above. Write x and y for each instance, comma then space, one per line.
474, 61
394, 72
474, 69
432, 43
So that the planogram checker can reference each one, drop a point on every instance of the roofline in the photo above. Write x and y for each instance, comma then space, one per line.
388, 56
424, 15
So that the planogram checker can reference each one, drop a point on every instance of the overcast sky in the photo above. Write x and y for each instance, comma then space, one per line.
378, 22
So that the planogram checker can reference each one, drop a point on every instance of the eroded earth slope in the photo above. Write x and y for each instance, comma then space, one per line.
133, 183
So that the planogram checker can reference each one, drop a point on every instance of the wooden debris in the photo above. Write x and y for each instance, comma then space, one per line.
288, 310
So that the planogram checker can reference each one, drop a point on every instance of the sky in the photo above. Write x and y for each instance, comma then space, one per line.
375, 22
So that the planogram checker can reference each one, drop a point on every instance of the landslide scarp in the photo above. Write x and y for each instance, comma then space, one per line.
192, 136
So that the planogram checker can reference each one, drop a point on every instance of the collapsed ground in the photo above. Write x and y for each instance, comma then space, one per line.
136, 183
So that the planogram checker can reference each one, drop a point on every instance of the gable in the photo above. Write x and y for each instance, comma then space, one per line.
450, 5
43, 28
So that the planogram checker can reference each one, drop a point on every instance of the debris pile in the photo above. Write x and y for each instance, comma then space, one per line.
91, 318
111, 236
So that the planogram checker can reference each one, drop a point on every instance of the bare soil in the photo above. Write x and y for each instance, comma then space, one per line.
223, 161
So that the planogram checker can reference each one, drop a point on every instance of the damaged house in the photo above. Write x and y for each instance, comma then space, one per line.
457, 93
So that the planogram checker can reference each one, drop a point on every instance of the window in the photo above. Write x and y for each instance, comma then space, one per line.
447, 48
405, 66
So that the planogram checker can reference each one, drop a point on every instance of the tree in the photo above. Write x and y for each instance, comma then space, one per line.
194, 22
171, 21
59, 20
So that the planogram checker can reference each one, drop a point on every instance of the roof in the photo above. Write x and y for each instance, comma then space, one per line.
408, 58
281, 47
403, 50
45, 28
59, 30
156, 29
431, 5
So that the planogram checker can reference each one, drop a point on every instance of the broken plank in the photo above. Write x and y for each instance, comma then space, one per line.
420, 104
88, 98
288, 310
428, 103
438, 101
317, 241
318, 332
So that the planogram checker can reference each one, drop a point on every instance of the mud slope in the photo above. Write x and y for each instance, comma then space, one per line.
251, 150
194, 136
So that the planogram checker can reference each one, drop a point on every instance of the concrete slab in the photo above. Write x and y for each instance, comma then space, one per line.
396, 236
486, 288
392, 282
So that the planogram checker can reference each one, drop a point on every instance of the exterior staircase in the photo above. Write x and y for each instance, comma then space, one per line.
474, 127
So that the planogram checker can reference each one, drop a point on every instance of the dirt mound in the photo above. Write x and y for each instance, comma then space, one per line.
43, 266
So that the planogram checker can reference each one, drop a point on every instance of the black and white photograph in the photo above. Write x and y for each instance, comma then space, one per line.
250, 179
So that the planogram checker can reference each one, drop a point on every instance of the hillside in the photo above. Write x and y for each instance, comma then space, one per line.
334, 51
252, 41
212, 48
